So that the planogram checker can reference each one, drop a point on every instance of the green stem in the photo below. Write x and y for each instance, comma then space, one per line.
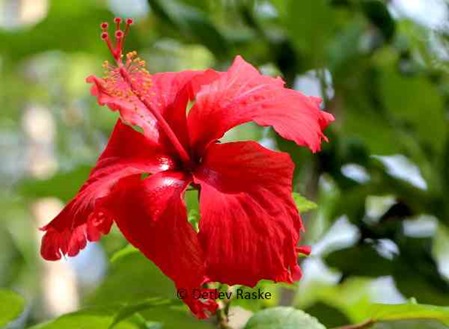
222, 319
223, 314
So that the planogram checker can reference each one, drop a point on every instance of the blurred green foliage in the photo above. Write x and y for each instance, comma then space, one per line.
384, 173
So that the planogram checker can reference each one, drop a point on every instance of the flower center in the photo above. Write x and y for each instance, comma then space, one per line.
131, 80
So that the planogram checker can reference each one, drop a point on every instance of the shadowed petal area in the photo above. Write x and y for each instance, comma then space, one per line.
249, 225
242, 94
152, 216
127, 153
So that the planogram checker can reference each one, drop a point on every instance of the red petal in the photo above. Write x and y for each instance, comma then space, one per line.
171, 94
242, 94
152, 215
132, 111
249, 225
127, 153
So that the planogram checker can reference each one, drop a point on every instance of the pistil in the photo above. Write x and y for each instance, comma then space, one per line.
117, 53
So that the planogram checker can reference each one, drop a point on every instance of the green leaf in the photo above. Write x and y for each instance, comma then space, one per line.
92, 318
410, 324
330, 316
379, 15
416, 273
422, 114
310, 24
62, 185
193, 23
303, 204
409, 315
50, 33
175, 318
282, 318
132, 309
411, 310
11, 306
132, 277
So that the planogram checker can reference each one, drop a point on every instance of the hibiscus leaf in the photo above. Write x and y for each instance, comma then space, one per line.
303, 204
410, 310
63, 185
15, 306
282, 318
132, 278
330, 316
92, 318
132, 309
404, 313
174, 317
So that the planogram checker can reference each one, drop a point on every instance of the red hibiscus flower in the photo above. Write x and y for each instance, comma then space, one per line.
249, 227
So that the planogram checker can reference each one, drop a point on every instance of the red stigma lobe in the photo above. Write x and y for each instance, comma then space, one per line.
130, 82
116, 48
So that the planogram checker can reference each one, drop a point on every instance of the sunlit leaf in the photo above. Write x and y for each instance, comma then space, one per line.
11, 306
303, 204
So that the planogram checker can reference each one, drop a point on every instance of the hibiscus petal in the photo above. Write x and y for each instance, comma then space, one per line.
152, 216
249, 225
127, 153
241, 95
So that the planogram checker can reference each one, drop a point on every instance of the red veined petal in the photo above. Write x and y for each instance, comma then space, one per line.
152, 216
241, 95
127, 153
171, 93
249, 225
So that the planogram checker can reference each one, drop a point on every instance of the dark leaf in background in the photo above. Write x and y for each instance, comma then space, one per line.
378, 14
360, 260
328, 315
310, 26
416, 272
193, 23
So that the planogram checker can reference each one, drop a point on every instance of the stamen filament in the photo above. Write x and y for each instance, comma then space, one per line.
162, 123
105, 37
